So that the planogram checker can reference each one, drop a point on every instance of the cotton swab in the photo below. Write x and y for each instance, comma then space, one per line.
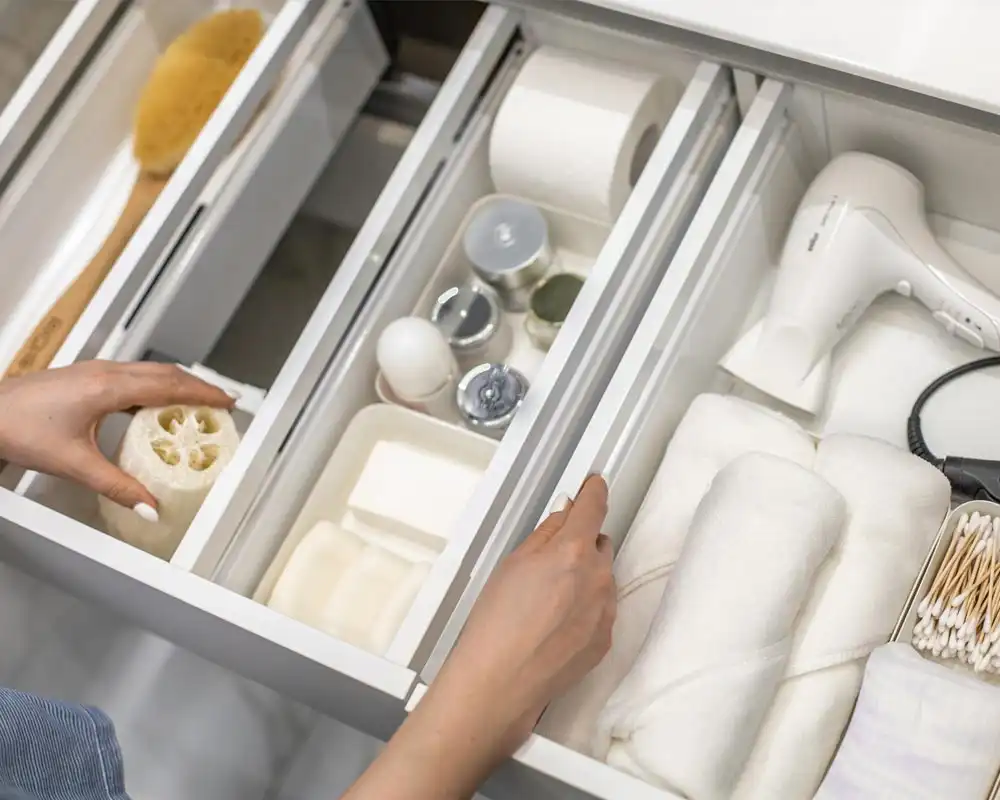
958, 617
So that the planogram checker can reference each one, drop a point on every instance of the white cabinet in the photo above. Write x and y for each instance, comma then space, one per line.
677, 279
202, 247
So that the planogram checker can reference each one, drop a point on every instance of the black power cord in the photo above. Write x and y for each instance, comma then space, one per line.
974, 477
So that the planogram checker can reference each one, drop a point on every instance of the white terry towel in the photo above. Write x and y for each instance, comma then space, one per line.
921, 731
895, 504
687, 714
715, 430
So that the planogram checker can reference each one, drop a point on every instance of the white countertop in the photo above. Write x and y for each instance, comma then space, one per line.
944, 49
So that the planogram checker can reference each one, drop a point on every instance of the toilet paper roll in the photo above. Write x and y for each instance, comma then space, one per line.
177, 453
574, 132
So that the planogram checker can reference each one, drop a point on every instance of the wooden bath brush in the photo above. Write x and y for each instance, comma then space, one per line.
187, 84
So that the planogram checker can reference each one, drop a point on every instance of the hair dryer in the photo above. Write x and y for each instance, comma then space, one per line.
861, 230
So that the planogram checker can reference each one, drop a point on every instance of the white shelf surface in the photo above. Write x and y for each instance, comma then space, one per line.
942, 49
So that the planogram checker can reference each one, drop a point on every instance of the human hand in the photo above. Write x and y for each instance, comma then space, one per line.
49, 419
543, 621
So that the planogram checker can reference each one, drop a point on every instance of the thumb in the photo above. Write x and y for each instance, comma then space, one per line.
97, 473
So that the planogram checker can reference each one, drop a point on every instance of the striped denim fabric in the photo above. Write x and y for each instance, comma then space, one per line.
51, 750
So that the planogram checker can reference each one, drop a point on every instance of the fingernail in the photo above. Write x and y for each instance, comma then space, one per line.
146, 512
561, 503
234, 394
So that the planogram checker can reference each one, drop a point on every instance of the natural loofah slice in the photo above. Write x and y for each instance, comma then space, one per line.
229, 36
177, 453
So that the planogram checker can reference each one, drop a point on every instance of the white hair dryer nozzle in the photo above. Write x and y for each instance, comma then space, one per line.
777, 363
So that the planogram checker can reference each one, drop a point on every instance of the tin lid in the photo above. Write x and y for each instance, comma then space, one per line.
467, 315
490, 394
506, 237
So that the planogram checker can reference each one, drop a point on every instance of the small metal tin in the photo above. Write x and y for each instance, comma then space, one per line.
550, 304
472, 322
507, 244
489, 396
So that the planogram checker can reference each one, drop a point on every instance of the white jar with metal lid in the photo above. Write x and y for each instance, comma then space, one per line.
472, 321
507, 243
489, 396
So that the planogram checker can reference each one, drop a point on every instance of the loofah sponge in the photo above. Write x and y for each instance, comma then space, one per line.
177, 453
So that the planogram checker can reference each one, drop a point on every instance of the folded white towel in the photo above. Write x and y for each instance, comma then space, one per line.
895, 504
715, 430
921, 731
687, 714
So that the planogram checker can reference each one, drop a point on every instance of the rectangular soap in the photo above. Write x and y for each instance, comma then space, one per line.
407, 490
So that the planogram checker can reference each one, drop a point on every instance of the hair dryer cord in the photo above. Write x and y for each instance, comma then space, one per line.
974, 477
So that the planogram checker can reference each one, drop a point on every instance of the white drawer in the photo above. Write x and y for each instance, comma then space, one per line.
65, 194
710, 294
201, 599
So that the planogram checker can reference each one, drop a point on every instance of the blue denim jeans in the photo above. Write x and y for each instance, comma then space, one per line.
57, 751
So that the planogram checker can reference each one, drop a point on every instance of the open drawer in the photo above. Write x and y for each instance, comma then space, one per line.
203, 598
65, 195
716, 287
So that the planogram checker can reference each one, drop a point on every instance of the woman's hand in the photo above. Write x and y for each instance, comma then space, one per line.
542, 623
49, 419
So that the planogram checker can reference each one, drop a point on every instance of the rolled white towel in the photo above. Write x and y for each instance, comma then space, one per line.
921, 731
715, 430
687, 714
895, 504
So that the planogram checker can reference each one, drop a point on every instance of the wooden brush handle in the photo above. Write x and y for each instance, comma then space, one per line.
48, 336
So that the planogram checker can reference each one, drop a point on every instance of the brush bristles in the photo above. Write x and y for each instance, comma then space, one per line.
181, 96
187, 85
229, 36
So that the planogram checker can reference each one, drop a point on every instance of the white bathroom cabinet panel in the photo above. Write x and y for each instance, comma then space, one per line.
51, 74
202, 599
712, 292
63, 196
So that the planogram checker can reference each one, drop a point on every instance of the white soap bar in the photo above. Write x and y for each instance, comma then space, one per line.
356, 591
323, 557
177, 453
368, 605
408, 490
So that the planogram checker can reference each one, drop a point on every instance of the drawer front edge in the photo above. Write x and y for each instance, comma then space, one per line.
688, 154
612, 432
358, 688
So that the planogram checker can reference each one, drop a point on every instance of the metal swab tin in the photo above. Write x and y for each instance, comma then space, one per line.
953, 612
472, 321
